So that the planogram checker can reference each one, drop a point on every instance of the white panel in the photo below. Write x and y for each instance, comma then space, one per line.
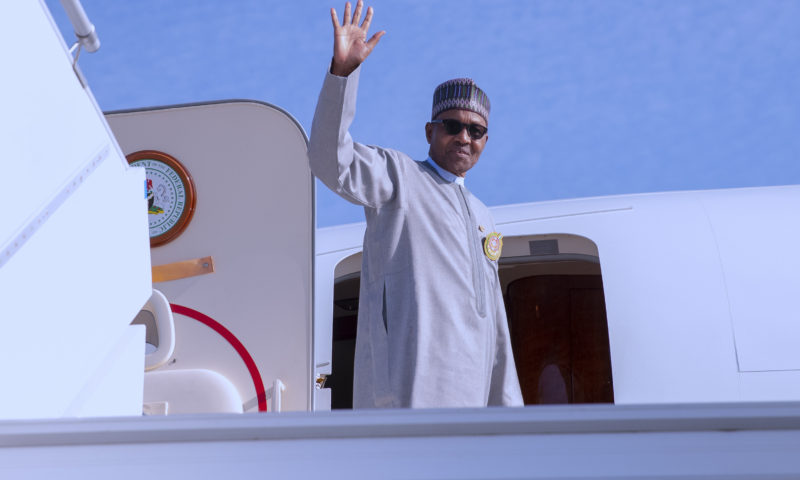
770, 386
669, 329
341, 237
116, 387
71, 292
322, 399
675, 287
81, 271
757, 231
553, 442
324, 275
323, 313
191, 391
254, 217
48, 126
632, 456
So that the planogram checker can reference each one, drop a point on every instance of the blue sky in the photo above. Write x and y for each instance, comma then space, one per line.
592, 97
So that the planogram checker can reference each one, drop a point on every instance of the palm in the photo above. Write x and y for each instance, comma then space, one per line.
350, 44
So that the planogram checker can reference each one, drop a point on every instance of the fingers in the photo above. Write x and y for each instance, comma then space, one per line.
375, 39
334, 19
357, 13
346, 14
367, 19
353, 19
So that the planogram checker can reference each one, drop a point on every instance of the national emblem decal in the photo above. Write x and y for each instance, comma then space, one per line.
152, 208
493, 246
170, 194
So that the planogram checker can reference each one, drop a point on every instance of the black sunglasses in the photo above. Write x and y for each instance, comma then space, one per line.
454, 127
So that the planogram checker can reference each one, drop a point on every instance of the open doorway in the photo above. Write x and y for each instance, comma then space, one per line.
347, 281
553, 289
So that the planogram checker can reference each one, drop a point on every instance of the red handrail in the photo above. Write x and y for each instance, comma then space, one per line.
261, 393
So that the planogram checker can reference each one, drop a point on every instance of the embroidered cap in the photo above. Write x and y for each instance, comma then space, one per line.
463, 94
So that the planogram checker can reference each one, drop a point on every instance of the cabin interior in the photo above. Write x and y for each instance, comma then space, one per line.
553, 291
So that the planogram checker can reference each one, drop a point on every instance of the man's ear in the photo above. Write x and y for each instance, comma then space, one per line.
429, 132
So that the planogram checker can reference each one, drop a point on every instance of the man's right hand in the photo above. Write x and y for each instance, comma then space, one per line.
350, 45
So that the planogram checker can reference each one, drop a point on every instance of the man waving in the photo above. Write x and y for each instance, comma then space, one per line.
432, 329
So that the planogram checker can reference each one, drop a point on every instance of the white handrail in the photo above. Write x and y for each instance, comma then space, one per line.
277, 389
158, 306
84, 29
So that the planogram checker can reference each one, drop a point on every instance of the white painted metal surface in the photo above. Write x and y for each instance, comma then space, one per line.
698, 287
712, 441
164, 323
190, 390
756, 232
70, 283
115, 387
254, 216
332, 245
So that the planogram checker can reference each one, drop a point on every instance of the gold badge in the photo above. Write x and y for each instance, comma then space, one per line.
493, 246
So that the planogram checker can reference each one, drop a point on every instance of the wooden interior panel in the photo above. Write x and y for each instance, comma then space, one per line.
560, 339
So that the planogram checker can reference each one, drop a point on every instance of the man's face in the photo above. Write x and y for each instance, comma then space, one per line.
455, 153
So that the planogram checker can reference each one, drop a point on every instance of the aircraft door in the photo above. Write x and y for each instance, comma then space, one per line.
239, 269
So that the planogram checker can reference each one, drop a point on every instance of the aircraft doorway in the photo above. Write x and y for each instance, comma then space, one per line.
553, 291
555, 304
345, 315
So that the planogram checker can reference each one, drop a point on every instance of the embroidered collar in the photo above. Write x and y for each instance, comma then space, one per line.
450, 177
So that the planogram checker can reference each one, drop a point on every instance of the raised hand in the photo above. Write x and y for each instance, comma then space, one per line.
350, 45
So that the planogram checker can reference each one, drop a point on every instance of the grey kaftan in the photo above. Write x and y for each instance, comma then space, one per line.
432, 328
